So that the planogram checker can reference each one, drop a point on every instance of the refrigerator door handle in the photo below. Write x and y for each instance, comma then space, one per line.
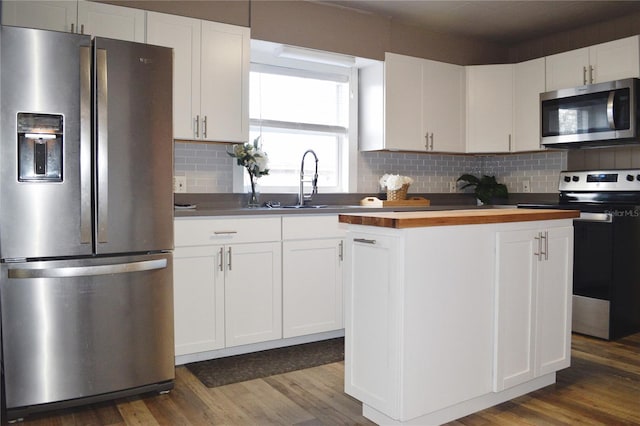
85, 271
85, 145
102, 147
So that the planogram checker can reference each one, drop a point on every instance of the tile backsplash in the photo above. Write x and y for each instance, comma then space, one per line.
208, 169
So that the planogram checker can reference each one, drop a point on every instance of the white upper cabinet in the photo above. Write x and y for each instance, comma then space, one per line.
45, 15
443, 100
82, 17
211, 76
613, 60
109, 21
489, 108
403, 103
412, 104
529, 82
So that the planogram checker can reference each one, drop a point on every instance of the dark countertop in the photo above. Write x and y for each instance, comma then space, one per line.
233, 204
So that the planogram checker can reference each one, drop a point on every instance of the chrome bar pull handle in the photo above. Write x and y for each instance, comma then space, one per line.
509, 142
196, 126
426, 141
431, 144
221, 256
539, 253
229, 258
102, 145
610, 104
591, 74
364, 241
341, 251
546, 245
584, 75
85, 145
204, 127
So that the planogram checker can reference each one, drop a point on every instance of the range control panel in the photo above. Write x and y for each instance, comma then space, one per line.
600, 180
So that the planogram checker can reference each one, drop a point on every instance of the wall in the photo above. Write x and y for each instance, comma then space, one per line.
573, 39
208, 169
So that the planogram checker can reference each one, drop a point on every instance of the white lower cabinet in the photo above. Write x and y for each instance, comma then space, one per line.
198, 300
443, 321
533, 299
312, 253
227, 283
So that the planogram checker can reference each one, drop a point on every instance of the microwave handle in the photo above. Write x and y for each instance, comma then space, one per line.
610, 104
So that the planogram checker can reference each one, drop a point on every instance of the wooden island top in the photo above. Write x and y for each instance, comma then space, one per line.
418, 219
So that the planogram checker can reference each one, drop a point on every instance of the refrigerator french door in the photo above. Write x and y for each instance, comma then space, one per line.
86, 218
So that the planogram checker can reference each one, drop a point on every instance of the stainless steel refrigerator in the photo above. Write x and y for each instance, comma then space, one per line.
86, 219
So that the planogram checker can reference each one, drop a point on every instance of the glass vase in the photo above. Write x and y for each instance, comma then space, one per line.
253, 195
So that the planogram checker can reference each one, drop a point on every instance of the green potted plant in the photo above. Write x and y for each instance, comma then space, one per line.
486, 188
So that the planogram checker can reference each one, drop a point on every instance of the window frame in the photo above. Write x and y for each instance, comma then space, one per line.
263, 58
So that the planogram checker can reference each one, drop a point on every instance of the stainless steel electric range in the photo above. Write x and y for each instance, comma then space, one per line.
606, 268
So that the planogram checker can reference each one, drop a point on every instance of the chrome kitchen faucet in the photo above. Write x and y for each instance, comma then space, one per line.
302, 197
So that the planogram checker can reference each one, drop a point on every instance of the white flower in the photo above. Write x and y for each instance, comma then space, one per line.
252, 157
394, 182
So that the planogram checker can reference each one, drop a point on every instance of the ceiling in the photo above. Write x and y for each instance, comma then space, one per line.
506, 22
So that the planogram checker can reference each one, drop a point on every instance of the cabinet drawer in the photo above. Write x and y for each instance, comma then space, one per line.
307, 227
205, 231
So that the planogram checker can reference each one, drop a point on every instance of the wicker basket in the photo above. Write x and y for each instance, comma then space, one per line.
398, 194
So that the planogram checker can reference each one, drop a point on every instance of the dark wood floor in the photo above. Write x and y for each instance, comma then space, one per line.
602, 387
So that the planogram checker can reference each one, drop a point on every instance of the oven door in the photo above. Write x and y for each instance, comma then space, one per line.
592, 257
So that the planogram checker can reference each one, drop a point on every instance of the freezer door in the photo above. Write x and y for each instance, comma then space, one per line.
45, 78
134, 145
79, 328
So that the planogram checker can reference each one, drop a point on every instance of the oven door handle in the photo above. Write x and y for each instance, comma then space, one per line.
595, 217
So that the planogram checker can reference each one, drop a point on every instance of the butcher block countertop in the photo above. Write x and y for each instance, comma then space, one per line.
419, 219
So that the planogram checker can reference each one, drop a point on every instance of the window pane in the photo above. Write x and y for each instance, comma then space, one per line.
285, 150
298, 99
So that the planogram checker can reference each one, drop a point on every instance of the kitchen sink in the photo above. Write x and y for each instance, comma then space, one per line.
306, 206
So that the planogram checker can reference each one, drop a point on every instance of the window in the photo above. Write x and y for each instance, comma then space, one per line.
294, 109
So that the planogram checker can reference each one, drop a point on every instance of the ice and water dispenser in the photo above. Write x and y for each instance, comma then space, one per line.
40, 147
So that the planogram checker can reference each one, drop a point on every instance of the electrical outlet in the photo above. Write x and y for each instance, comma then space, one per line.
526, 186
453, 187
179, 184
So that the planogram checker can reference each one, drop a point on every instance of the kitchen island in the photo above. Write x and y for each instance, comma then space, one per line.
451, 312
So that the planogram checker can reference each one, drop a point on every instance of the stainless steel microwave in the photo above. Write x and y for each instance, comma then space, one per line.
590, 116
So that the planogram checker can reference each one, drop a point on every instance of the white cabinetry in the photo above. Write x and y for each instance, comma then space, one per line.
227, 282
529, 82
489, 108
83, 17
412, 104
533, 299
211, 76
413, 311
595, 64
312, 253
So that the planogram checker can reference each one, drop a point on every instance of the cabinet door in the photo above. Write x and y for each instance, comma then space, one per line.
371, 327
183, 35
517, 269
198, 299
225, 82
489, 108
403, 103
615, 60
553, 325
529, 82
104, 20
567, 69
45, 15
253, 293
443, 97
312, 286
